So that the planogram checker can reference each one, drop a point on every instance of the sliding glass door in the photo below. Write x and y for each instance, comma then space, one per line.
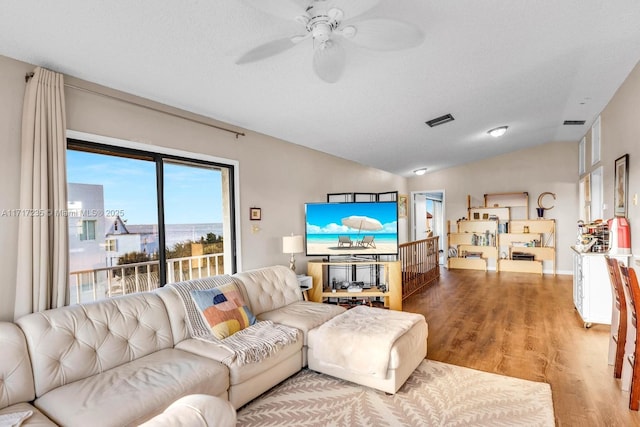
139, 220
193, 218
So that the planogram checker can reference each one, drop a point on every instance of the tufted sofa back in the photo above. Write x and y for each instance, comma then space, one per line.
16, 377
270, 288
178, 318
71, 343
264, 289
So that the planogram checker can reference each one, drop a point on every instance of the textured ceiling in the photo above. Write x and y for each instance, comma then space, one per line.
526, 64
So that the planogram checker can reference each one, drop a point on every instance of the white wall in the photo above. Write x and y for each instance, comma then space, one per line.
551, 167
11, 93
276, 176
621, 135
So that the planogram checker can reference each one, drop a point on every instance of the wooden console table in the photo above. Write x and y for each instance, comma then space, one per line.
390, 276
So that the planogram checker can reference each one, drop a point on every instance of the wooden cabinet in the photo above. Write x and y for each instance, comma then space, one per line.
474, 242
388, 284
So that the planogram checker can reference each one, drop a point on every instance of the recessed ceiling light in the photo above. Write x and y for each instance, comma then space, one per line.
421, 171
496, 132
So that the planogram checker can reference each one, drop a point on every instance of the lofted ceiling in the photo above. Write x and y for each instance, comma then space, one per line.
529, 65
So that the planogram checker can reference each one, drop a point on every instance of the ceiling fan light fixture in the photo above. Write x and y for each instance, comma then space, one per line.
321, 33
420, 171
498, 132
348, 32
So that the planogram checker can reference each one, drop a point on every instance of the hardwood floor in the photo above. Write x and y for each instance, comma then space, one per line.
525, 326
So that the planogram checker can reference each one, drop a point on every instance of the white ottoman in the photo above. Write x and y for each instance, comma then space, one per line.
373, 347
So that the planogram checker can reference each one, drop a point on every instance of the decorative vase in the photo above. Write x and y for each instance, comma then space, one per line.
540, 212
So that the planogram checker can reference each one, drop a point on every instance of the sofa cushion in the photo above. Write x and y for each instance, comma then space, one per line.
136, 391
241, 372
72, 343
196, 410
16, 377
223, 309
37, 418
270, 288
303, 315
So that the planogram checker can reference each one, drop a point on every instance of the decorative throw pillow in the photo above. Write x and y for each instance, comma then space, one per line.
223, 309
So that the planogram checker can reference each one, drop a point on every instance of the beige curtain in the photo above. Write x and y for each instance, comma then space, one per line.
43, 238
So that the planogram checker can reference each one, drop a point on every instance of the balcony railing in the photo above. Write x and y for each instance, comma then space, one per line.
420, 264
419, 259
92, 285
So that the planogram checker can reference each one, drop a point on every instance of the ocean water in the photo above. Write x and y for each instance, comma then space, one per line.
176, 233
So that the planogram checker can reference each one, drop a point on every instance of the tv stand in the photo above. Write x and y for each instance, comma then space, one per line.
391, 278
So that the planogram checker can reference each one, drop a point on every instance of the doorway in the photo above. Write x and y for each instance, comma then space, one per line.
428, 217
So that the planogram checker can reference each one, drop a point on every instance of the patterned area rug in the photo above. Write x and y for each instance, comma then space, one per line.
436, 394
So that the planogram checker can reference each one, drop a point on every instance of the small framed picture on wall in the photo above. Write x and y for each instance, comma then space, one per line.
403, 205
255, 214
621, 182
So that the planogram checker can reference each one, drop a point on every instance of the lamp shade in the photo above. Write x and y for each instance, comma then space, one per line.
292, 244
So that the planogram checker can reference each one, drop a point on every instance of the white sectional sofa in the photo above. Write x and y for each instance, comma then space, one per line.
17, 393
131, 360
272, 293
125, 360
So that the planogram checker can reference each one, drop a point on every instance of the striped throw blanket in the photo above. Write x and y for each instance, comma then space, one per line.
249, 345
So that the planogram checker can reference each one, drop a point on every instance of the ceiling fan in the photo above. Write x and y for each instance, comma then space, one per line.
323, 22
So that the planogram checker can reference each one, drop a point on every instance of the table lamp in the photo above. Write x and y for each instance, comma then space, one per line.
292, 245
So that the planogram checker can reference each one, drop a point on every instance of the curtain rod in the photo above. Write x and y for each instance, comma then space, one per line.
159, 110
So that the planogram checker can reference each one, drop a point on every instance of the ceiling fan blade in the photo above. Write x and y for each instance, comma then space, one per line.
386, 34
287, 9
266, 50
352, 8
329, 61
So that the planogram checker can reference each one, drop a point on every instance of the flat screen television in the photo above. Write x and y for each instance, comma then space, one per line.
351, 228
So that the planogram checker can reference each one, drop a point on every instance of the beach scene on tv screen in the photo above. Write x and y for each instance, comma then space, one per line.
365, 228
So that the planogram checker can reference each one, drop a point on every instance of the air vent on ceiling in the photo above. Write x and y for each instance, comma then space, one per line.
440, 120
573, 122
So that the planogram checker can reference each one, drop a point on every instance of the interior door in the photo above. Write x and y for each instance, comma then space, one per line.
428, 217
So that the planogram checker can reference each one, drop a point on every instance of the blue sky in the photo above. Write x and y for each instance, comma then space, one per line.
192, 194
327, 217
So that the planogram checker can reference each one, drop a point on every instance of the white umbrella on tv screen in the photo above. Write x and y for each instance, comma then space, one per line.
360, 223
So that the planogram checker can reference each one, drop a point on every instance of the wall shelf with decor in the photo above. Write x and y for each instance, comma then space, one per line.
521, 245
473, 244
485, 212
516, 201
527, 245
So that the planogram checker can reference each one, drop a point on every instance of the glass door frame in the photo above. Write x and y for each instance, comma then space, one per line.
233, 262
